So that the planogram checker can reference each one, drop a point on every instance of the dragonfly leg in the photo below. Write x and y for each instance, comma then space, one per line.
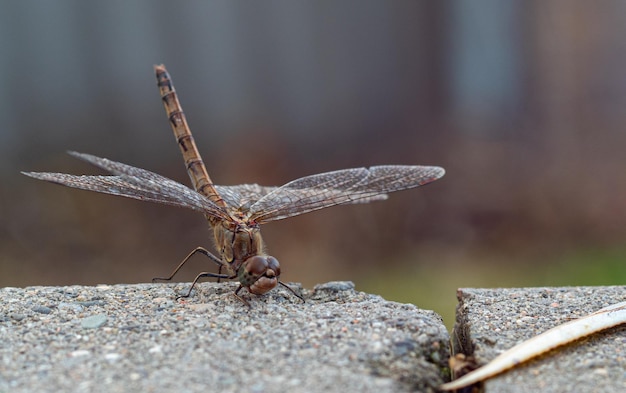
219, 271
290, 289
239, 296
202, 251
199, 276
244, 301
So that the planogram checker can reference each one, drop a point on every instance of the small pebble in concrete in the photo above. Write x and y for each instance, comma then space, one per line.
42, 309
94, 321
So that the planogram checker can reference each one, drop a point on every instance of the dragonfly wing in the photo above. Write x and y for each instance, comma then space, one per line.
117, 168
357, 185
136, 183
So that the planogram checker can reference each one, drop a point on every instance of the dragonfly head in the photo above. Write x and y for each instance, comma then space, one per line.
259, 274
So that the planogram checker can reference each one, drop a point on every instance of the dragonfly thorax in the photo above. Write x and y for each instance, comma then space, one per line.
237, 241
241, 248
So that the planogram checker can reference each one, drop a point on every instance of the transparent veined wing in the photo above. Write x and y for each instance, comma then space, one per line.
357, 185
132, 182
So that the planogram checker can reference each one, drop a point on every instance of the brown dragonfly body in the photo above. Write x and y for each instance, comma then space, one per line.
236, 212
239, 242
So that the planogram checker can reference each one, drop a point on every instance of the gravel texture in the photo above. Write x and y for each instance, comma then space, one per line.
138, 338
490, 321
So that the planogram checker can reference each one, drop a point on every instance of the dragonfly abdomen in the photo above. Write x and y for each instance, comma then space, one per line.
193, 161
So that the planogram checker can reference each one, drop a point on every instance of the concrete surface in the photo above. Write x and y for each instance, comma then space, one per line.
490, 321
138, 338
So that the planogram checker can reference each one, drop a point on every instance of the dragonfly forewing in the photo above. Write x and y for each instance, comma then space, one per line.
357, 185
135, 183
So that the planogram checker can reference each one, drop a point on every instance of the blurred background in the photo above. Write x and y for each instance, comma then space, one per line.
523, 103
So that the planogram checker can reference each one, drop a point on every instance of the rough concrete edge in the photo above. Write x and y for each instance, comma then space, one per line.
460, 336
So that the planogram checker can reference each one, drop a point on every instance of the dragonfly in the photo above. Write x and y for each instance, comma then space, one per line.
235, 213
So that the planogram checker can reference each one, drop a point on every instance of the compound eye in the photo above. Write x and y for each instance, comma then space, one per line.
272, 263
257, 265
